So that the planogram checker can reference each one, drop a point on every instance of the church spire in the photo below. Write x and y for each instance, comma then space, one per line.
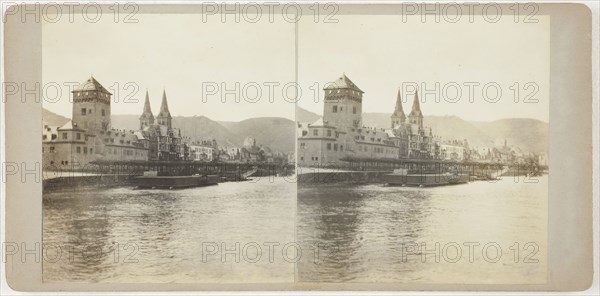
147, 109
398, 116
164, 116
416, 107
416, 116
147, 118
164, 107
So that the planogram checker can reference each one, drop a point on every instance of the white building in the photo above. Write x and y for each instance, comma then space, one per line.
201, 153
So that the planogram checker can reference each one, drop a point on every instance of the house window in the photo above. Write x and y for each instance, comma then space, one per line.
103, 113
335, 147
334, 109
328, 146
354, 110
78, 149
89, 111
78, 136
341, 147
84, 150
51, 149
301, 157
83, 112
64, 136
329, 133
315, 132
44, 137
303, 145
91, 150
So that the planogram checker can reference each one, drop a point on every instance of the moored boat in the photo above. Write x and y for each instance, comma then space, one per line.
175, 182
401, 177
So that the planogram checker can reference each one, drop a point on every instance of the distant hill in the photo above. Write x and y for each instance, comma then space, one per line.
274, 132
201, 127
196, 127
51, 118
528, 134
522, 132
303, 115
453, 127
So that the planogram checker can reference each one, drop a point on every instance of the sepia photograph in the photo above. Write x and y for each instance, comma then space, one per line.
166, 162
420, 158
299, 147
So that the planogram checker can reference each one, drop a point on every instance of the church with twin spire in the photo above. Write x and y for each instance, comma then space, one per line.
165, 141
340, 137
89, 137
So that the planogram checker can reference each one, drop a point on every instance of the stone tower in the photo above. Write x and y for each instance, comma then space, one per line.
398, 116
147, 119
416, 116
164, 116
343, 104
91, 106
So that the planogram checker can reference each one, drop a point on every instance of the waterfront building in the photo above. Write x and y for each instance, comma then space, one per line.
205, 150
166, 142
415, 140
340, 136
67, 145
453, 150
201, 152
89, 135
233, 153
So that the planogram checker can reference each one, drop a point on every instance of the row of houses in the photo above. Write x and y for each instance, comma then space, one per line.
90, 137
339, 136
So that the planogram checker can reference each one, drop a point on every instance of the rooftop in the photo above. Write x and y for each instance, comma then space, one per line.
343, 83
91, 85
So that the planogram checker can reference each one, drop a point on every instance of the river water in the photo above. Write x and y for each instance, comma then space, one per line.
170, 235
371, 233
313, 233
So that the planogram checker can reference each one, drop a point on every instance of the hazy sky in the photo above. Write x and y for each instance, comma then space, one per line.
379, 53
179, 53
187, 57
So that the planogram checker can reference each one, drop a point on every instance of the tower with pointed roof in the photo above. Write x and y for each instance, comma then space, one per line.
398, 117
147, 118
91, 106
164, 116
416, 116
343, 103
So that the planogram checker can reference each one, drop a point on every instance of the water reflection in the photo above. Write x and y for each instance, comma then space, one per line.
372, 229
159, 233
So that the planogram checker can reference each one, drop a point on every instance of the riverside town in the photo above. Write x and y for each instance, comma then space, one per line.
88, 143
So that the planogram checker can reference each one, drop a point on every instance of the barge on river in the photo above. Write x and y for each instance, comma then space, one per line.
154, 181
401, 177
